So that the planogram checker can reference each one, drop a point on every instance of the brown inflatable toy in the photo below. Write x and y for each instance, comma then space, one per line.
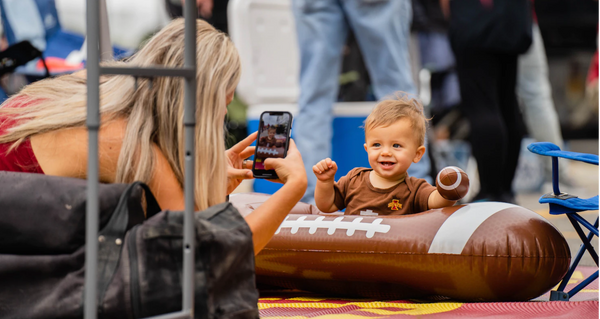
476, 252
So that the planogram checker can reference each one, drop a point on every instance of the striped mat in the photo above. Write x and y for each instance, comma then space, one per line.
299, 305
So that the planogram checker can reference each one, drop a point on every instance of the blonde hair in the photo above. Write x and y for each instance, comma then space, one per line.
400, 105
154, 111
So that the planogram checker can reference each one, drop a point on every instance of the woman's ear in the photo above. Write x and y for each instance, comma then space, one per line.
230, 97
419, 154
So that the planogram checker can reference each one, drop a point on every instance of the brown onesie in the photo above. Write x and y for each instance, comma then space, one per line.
267, 142
356, 193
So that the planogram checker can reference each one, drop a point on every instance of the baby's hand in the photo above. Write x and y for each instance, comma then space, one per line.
325, 170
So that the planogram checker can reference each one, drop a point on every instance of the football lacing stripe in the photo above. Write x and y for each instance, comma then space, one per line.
337, 224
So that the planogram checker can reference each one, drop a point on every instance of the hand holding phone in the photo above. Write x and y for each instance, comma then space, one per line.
237, 165
272, 141
289, 169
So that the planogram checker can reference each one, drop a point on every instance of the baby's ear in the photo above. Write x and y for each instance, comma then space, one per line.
365, 146
419, 154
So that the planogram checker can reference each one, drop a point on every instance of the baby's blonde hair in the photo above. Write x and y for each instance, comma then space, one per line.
392, 109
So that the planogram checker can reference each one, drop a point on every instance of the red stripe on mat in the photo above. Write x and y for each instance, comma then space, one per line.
526, 310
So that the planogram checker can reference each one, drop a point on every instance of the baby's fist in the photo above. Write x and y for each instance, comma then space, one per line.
325, 170
452, 183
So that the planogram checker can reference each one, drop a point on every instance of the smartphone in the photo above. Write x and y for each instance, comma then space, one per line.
273, 140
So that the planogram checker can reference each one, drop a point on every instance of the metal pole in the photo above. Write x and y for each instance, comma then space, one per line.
189, 122
555, 175
106, 52
93, 124
152, 71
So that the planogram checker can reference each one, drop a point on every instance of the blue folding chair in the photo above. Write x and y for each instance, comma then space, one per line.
563, 203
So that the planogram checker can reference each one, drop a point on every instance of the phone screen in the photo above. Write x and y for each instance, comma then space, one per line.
272, 140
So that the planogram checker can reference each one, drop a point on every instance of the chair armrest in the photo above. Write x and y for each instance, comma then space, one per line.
549, 149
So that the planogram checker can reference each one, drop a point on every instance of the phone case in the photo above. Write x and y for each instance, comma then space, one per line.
265, 148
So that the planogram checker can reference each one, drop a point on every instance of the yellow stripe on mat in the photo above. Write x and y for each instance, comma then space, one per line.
332, 316
419, 309
372, 307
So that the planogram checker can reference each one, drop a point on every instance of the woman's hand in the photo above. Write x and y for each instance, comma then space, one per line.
290, 168
265, 220
238, 169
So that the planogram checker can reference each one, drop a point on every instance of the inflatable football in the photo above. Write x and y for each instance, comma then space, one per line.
477, 252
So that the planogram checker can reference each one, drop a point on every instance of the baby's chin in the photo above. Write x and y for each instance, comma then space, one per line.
390, 176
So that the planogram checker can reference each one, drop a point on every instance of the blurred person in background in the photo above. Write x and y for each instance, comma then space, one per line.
175, 8
213, 12
535, 94
487, 36
430, 31
382, 31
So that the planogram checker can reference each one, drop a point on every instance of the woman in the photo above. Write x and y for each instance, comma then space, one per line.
42, 130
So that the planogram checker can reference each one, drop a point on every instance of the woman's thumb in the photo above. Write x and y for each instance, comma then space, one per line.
272, 163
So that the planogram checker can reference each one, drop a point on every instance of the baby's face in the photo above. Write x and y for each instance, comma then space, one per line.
392, 149
271, 134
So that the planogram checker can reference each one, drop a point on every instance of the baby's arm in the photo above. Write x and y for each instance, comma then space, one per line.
437, 201
324, 191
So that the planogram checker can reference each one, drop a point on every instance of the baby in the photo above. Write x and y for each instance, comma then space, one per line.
395, 134
269, 140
